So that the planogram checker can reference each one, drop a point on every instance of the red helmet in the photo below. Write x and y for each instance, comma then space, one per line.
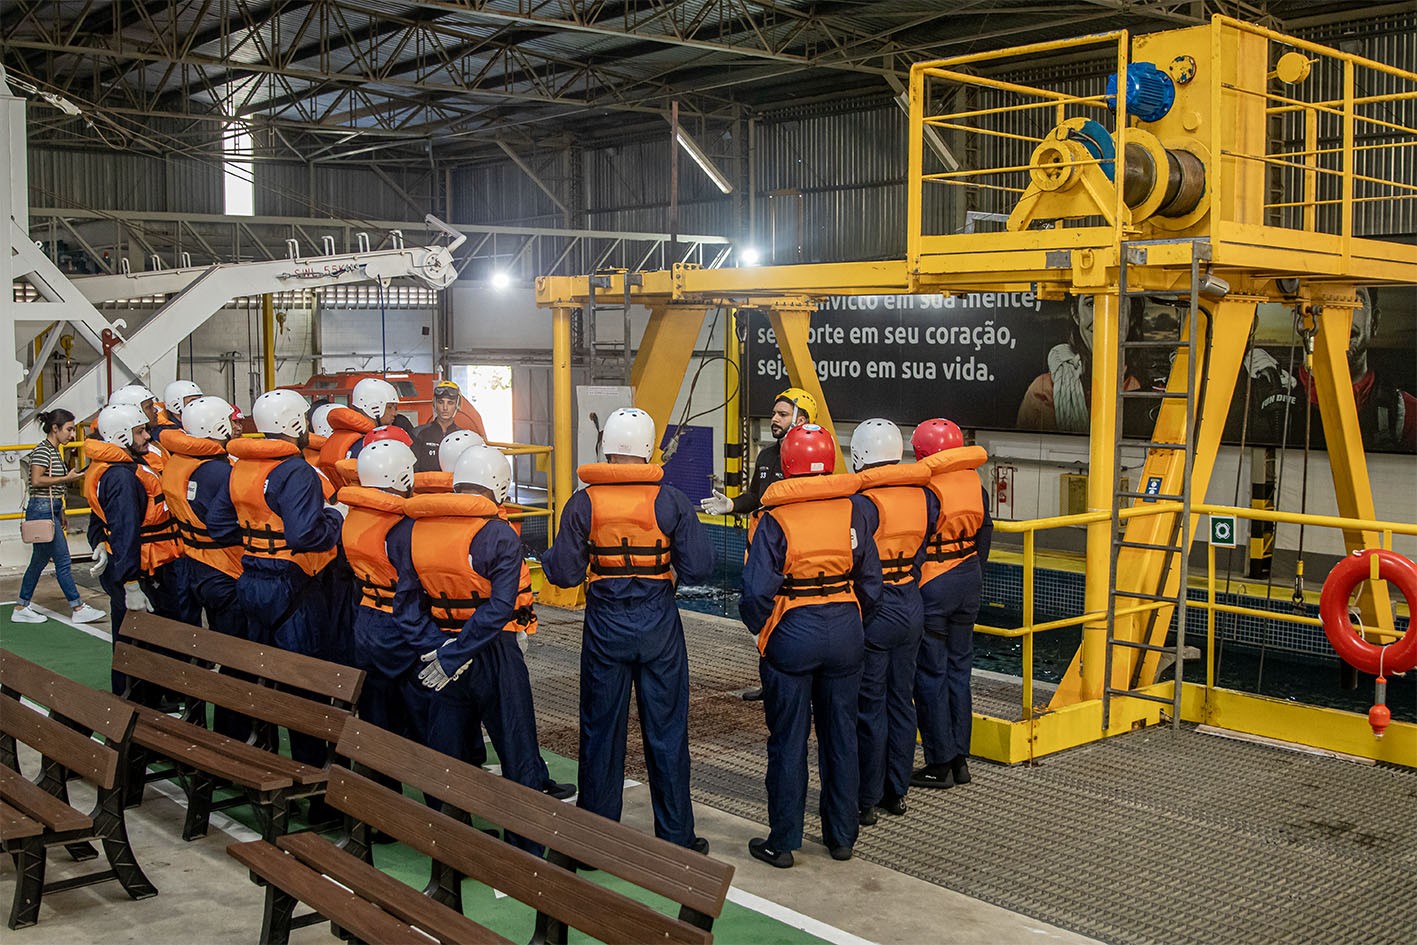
807, 450
935, 435
388, 432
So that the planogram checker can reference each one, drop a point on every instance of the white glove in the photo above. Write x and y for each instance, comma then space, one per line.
717, 504
522, 641
340, 509
100, 561
433, 675
135, 599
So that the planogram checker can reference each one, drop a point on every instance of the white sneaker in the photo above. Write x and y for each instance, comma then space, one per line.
27, 614
86, 614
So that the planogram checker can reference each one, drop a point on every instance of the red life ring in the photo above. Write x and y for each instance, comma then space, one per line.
1401, 656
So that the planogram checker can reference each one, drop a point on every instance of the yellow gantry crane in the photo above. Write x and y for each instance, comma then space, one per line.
1174, 181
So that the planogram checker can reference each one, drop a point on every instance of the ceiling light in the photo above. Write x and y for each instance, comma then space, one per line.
749, 256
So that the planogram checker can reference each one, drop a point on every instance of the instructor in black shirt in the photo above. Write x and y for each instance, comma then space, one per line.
794, 406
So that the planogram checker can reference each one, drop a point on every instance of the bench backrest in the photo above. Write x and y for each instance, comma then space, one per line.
260, 702
317, 676
560, 893
688, 878
88, 709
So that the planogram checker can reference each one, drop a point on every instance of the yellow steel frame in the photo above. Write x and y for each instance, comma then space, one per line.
1250, 238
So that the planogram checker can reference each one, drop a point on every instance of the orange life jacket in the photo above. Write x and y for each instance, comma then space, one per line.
898, 492
184, 455
814, 513
443, 529
625, 538
263, 530
372, 513
956, 484
350, 426
348, 470
157, 533
314, 443
156, 456
432, 482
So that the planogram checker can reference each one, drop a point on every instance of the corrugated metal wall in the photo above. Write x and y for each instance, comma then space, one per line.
123, 180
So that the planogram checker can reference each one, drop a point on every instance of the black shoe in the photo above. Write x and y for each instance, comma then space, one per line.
558, 789
753, 695
960, 769
841, 853
895, 806
933, 776
700, 845
758, 846
867, 817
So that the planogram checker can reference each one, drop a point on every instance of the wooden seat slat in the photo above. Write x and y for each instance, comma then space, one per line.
14, 825
399, 899
236, 750
368, 922
101, 712
184, 751
260, 702
40, 805
309, 673
672, 871
595, 910
72, 749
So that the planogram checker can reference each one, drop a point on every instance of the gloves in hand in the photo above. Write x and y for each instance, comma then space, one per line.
340, 508
717, 504
522, 642
433, 675
100, 561
135, 599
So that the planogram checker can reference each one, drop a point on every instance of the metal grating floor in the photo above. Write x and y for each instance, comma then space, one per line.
1154, 837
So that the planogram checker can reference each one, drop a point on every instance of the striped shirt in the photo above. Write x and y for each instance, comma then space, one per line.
47, 459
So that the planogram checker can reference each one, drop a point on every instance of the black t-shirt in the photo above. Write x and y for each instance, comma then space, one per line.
766, 470
425, 444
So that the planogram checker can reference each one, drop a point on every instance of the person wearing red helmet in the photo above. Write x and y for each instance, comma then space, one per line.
951, 579
811, 576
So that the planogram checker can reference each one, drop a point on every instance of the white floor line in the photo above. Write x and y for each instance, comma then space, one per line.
54, 615
794, 918
232, 828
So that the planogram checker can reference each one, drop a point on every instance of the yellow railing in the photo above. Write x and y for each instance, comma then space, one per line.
1030, 528
543, 463
25, 448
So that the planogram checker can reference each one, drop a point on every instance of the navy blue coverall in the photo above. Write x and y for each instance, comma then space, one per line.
633, 636
944, 707
211, 590
885, 724
496, 684
283, 604
124, 501
810, 670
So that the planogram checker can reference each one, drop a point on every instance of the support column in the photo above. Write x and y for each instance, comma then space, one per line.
663, 361
792, 323
1101, 483
268, 341
563, 446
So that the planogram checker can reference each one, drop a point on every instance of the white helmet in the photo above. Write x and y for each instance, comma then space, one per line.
628, 432
371, 395
452, 446
876, 441
483, 466
175, 393
116, 423
320, 420
208, 417
280, 411
386, 464
132, 394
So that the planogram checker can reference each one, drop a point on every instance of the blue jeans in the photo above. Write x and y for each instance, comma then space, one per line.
37, 510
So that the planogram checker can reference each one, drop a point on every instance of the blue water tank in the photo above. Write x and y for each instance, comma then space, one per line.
1150, 92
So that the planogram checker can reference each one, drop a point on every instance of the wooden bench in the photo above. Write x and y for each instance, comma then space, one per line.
36, 815
277, 689
338, 883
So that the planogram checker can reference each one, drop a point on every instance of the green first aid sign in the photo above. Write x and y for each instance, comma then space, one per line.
1223, 533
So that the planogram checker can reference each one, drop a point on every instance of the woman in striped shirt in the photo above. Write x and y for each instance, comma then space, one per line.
48, 477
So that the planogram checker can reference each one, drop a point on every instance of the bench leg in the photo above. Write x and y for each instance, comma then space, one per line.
445, 886
112, 829
135, 776
274, 817
29, 885
275, 919
199, 805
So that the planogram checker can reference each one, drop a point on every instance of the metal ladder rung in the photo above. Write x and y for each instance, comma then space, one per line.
1149, 647
1140, 595
1145, 546
1159, 496
1132, 694
1154, 343
1154, 395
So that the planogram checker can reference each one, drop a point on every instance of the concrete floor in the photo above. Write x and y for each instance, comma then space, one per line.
205, 896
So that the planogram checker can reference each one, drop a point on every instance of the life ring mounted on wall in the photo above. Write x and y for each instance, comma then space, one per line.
1397, 657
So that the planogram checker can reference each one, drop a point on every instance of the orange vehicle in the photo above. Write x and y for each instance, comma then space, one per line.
415, 391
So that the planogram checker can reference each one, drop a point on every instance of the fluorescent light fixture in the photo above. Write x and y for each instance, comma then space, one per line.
749, 256
704, 162
501, 280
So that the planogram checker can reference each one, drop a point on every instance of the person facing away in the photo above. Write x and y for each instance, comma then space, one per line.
633, 539
812, 575
48, 475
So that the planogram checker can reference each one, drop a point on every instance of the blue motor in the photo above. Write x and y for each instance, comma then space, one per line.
1150, 92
